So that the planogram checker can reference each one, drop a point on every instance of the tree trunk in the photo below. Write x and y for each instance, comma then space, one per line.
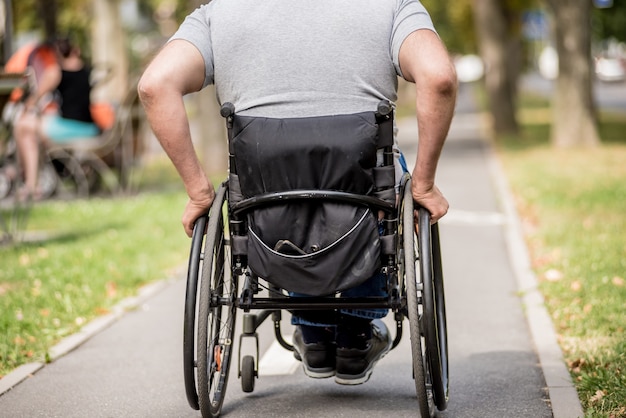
574, 122
48, 13
501, 53
109, 49
211, 126
211, 133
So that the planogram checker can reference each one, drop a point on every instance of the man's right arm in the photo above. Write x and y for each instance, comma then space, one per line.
177, 69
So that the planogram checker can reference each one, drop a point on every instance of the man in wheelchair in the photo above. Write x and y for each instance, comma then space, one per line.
293, 60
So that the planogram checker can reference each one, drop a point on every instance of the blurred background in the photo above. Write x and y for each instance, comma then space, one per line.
568, 46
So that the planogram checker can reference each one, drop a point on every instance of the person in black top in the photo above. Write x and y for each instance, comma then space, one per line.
64, 84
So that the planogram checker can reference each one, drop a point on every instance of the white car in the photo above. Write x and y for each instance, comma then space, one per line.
469, 68
610, 69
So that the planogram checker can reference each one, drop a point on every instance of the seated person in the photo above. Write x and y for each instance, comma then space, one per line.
62, 79
305, 59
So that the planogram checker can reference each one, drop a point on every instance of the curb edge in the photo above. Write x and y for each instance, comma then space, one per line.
561, 391
73, 341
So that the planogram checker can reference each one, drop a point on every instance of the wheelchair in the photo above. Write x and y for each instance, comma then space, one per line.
231, 268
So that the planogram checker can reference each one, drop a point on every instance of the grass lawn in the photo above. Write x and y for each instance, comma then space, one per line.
573, 205
89, 255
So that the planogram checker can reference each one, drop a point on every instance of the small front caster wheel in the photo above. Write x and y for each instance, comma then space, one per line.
248, 374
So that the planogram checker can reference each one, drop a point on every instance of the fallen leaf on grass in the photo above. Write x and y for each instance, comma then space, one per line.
111, 289
577, 364
553, 275
24, 260
101, 311
621, 412
576, 286
4, 287
618, 281
597, 397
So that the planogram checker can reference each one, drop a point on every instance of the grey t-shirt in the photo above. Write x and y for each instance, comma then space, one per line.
277, 58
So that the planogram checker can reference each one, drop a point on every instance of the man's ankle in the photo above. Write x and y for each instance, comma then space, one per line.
354, 332
313, 334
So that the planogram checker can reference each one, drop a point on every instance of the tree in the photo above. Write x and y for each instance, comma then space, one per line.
498, 30
610, 22
212, 128
109, 49
574, 121
455, 25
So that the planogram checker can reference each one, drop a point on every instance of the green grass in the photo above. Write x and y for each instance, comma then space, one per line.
90, 254
573, 204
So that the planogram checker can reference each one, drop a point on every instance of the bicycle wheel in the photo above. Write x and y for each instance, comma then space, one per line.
412, 284
216, 316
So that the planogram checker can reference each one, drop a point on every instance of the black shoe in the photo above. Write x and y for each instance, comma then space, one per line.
355, 366
318, 359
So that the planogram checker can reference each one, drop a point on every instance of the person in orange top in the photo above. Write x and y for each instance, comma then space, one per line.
58, 70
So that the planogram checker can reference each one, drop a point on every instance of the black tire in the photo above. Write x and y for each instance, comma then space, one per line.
5, 185
247, 374
47, 180
414, 309
442, 389
216, 316
189, 324
434, 317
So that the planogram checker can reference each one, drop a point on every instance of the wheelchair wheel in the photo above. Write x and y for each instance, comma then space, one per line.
189, 325
216, 314
426, 308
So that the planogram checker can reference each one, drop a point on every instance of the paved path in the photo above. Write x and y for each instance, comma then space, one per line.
503, 357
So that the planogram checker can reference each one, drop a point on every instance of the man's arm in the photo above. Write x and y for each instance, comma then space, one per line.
424, 61
177, 69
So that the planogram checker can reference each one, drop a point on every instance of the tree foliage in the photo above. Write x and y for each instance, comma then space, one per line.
610, 22
454, 23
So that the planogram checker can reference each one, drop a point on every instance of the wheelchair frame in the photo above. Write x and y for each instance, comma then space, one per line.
415, 291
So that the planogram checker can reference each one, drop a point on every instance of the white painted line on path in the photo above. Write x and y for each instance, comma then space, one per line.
277, 361
478, 218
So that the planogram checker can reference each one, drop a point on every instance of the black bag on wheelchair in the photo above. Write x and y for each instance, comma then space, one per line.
310, 246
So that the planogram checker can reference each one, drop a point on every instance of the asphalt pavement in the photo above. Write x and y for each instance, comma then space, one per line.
504, 359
